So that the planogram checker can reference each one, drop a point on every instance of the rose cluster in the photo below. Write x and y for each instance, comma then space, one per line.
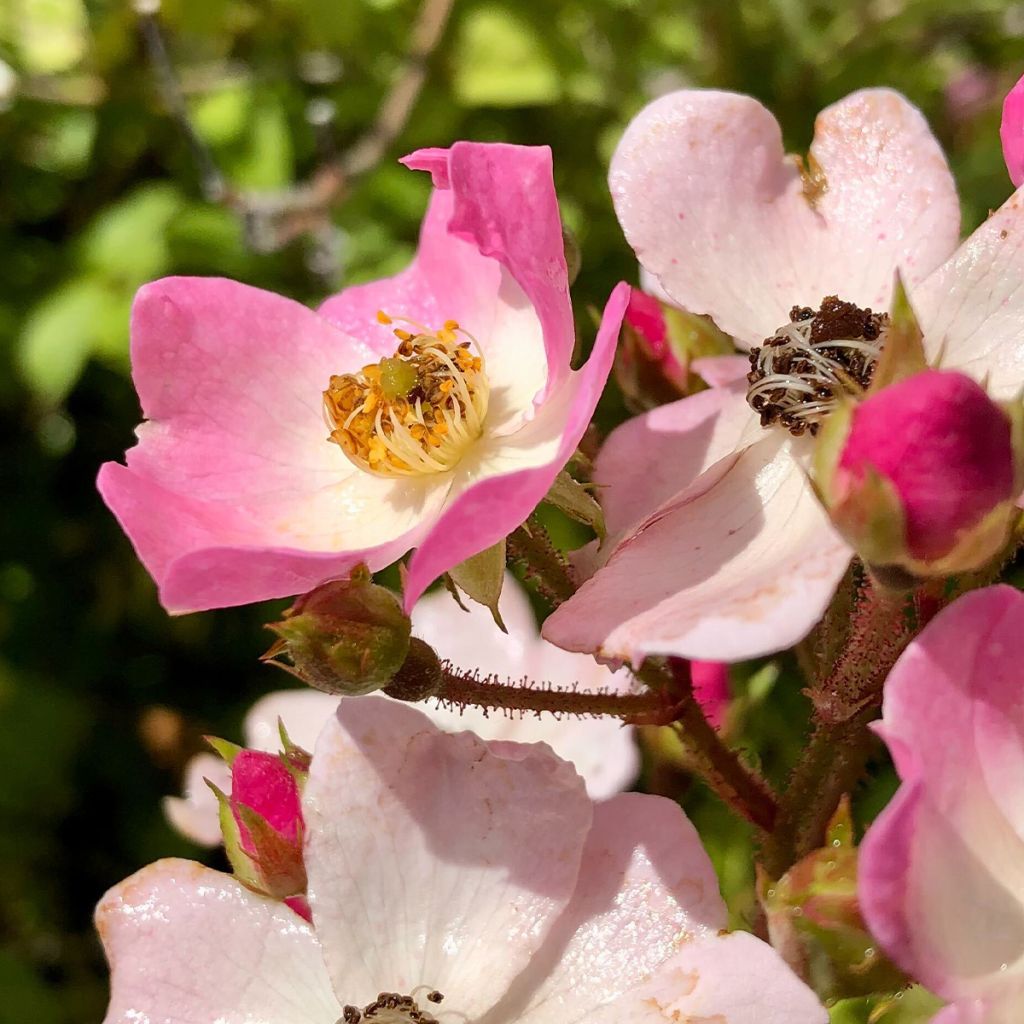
826, 456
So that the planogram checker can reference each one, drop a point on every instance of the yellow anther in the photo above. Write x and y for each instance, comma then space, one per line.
382, 317
415, 412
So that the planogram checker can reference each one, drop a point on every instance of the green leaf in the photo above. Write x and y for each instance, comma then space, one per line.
502, 62
221, 117
266, 160
576, 501
127, 242
50, 36
59, 335
481, 577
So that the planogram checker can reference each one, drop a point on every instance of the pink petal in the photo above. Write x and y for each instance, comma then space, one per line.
972, 308
753, 564
233, 493
195, 813
261, 782
650, 458
711, 688
434, 859
646, 888
1011, 132
602, 750
505, 479
715, 210
504, 203
187, 944
942, 868
720, 371
730, 979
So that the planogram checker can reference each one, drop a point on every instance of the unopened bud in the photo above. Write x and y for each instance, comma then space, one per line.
420, 675
814, 920
921, 477
346, 637
261, 818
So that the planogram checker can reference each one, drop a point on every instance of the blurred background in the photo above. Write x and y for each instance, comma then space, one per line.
102, 695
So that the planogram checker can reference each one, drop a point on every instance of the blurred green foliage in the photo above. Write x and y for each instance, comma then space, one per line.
102, 696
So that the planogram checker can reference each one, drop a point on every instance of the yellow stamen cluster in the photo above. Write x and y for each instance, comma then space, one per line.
414, 412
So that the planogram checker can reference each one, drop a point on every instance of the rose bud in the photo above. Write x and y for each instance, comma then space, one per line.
921, 477
261, 819
347, 637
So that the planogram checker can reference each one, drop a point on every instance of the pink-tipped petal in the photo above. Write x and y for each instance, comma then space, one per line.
504, 203
187, 944
233, 493
1011, 132
942, 868
501, 483
754, 565
717, 212
603, 751
426, 849
972, 308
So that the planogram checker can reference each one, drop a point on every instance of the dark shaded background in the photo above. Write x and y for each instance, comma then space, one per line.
102, 696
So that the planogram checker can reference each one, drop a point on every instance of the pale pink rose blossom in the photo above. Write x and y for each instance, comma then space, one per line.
941, 875
718, 548
1011, 132
603, 751
477, 879
234, 492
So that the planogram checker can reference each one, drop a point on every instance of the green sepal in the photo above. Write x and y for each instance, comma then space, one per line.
481, 577
903, 353
691, 336
241, 863
225, 749
295, 758
278, 861
575, 500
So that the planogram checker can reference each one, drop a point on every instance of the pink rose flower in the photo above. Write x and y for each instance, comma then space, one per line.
602, 750
1011, 132
452, 879
941, 875
443, 438
718, 548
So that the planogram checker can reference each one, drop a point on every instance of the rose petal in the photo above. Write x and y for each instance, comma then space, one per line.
972, 309
732, 979
942, 868
502, 481
189, 944
1011, 132
719, 371
303, 712
504, 202
650, 458
754, 565
748, 252
231, 378
646, 888
425, 849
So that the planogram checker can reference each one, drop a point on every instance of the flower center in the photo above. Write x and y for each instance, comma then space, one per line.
414, 412
799, 374
391, 1008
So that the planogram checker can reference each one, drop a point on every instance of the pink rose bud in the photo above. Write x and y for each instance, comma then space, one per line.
925, 478
261, 819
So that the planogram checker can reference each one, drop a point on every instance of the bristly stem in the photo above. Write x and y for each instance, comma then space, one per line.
846, 701
529, 547
739, 787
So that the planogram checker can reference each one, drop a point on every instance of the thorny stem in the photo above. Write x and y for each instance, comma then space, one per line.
845, 702
542, 563
460, 690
